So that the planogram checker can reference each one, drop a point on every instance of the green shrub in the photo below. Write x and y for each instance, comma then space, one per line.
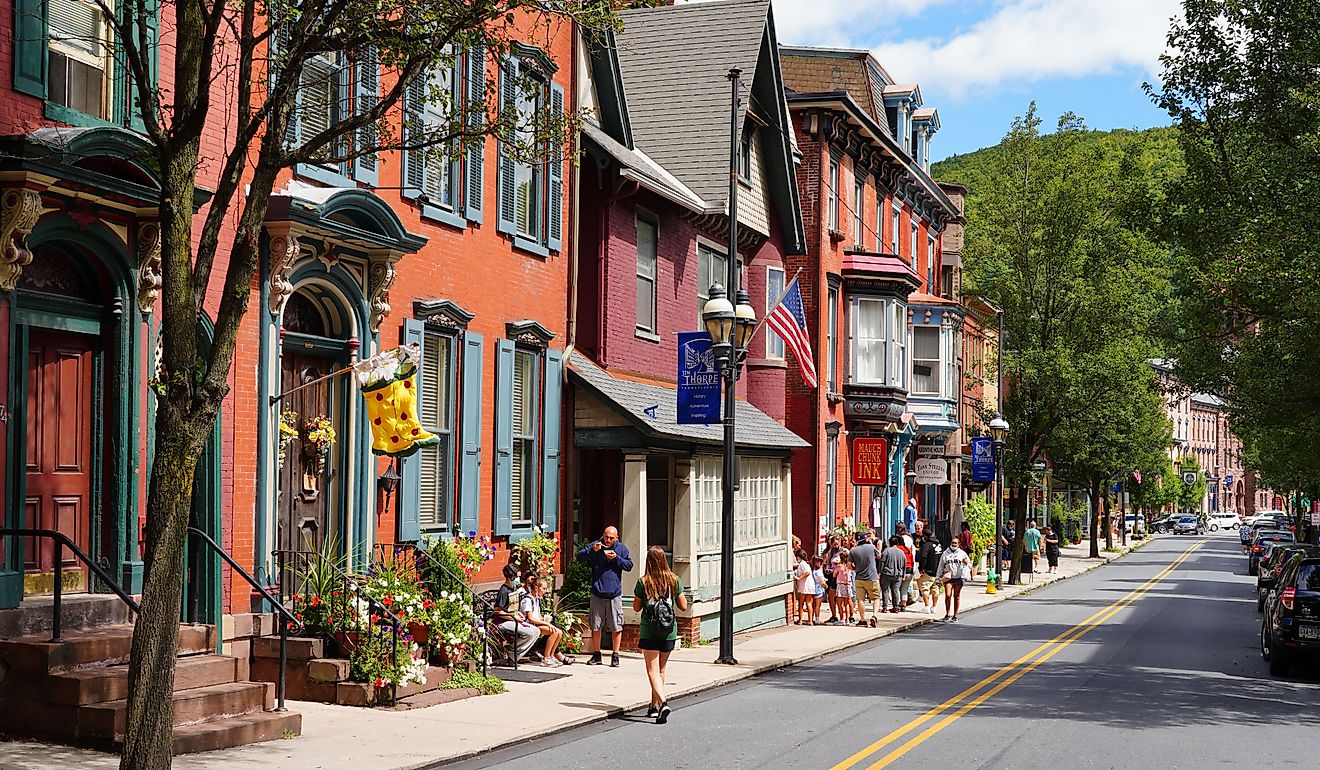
488, 684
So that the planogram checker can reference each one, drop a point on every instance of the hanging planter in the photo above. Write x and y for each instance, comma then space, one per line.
288, 432
318, 436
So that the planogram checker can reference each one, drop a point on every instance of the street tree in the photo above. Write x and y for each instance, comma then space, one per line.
1158, 487
235, 68
1052, 240
1242, 84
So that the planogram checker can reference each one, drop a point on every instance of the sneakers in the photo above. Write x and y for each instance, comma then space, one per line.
953, 619
652, 712
594, 660
614, 660
945, 619
663, 716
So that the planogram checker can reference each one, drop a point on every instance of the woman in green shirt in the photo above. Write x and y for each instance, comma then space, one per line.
656, 596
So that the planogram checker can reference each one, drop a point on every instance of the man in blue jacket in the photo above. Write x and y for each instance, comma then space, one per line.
609, 559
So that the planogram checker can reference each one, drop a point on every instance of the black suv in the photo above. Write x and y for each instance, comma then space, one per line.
1271, 566
1291, 628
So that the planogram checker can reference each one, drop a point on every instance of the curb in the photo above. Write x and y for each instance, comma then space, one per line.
740, 674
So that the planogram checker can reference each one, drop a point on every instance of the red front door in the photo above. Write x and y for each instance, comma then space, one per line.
59, 454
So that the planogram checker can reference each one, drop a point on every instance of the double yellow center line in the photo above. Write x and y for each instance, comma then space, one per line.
987, 688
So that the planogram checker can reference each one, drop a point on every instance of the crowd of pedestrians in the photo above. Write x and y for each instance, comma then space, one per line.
859, 577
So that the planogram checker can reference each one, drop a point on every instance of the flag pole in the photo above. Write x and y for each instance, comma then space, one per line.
771, 309
351, 367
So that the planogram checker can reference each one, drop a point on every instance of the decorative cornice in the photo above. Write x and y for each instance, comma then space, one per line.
380, 278
528, 332
19, 211
717, 225
284, 249
535, 56
148, 255
442, 313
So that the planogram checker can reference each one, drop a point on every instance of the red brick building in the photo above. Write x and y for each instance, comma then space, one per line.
653, 237
872, 279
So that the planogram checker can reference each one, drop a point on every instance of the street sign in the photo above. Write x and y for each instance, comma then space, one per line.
1189, 478
870, 462
930, 450
1040, 466
698, 380
1315, 518
983, 459
932, 471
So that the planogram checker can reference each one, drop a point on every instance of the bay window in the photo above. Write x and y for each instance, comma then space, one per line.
926, 360
868, 341
895, 218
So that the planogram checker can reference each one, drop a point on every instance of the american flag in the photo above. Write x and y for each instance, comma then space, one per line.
1136, 475
789, 321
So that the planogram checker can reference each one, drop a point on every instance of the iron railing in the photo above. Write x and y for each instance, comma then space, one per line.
287, 622
311, 572
62, 541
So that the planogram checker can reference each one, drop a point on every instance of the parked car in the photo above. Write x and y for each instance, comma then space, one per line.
1291, 628
1258, 544
1135, 523
1164, 525
1188, 525
1271, 566
1223, 520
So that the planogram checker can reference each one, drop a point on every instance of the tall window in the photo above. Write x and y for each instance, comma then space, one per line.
531, 187
832, 342
913, 247
527, 176
646, 274
433, 175
899, 330
658, 507
926, 360
712, 267
81, 60
930, 264
745, 156
859, 202
526, 389
774, 289
834, 196
436, 410
831, 473
868, 341
895, 218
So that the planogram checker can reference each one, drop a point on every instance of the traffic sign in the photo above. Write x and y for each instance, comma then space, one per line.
1189, 478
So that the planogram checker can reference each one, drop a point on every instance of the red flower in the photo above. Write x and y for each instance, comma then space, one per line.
375, 618
380, 682
315, 602
293, 626
387, 601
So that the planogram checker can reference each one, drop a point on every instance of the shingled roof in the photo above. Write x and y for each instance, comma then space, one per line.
753, 428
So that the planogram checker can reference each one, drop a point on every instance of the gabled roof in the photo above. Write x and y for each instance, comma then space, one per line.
637, 166
675, 61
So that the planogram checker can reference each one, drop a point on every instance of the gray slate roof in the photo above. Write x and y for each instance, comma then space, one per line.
651, 175
675, 61
752, 426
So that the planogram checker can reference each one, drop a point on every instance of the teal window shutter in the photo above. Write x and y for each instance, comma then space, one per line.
469, 495
407, 526
30, 46
366, 84
152, 8
504, 363
414, 115
476, 148
555, 233
554, 373
507, 193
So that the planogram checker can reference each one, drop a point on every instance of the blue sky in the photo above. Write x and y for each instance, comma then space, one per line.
981, 62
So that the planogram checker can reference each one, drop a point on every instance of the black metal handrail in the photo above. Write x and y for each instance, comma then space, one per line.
449, 581
62, 541
350, 594
290, 619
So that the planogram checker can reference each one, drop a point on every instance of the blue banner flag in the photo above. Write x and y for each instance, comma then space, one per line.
983, 459
698, 380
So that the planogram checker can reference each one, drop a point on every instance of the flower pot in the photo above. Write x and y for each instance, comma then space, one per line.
346, 642
419, 632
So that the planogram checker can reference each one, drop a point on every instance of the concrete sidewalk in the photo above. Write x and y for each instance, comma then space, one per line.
342, 736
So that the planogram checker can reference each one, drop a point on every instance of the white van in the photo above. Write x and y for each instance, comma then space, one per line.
1222, 520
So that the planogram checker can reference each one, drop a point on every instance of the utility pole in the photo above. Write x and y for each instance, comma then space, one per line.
730, 395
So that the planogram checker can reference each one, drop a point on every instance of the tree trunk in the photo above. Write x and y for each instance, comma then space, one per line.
1019, 530
1109, 521
1095, 520
150, 717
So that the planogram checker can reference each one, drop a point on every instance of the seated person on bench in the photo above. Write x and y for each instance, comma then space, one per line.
511, 621
531, 608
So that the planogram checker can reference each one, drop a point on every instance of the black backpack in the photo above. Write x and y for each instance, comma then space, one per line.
658, 615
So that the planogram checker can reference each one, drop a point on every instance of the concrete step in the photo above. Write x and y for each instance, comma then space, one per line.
33, 615
110, 683
90, 647
106, 721
237, 731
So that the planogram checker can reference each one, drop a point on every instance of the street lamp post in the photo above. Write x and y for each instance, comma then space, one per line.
730, 328
998, 430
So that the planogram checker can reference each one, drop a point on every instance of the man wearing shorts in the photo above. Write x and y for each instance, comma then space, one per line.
867, 579
928, 562
608, 559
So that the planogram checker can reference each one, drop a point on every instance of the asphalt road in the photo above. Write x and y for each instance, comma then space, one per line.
1150, 662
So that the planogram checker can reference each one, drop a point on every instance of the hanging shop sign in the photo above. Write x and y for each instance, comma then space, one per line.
932, 471
698, 380
870, 462
983, 459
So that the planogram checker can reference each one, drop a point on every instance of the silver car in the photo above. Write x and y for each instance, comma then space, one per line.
1188, 525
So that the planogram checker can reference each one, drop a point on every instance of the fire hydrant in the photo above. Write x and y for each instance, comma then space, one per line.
991, 581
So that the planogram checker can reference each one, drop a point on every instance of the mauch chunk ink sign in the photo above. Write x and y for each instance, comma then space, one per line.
870, 462
698, 380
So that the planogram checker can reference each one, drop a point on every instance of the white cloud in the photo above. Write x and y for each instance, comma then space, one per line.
1019, 41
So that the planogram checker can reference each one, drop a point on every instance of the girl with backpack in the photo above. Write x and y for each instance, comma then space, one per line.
659, 593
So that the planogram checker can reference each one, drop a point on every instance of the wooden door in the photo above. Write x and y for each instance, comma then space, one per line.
304, 498
59, 454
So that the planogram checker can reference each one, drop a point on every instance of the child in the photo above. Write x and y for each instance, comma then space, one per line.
804, 587
843, 577
818, 577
